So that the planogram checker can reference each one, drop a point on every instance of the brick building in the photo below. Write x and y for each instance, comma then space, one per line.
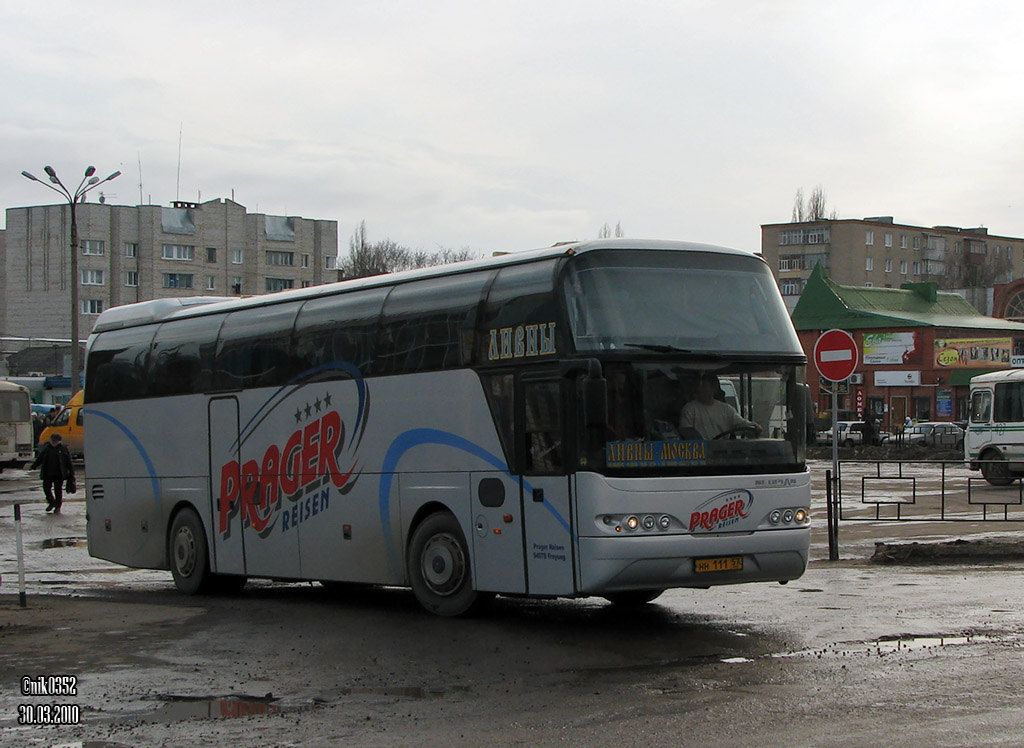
877, 252
136, 253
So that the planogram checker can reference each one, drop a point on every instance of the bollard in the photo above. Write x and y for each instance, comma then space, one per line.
21, 555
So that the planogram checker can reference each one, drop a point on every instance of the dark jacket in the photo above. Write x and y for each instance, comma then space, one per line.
54, 462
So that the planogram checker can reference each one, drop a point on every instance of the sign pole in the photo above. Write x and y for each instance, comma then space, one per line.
835, 357
833, 531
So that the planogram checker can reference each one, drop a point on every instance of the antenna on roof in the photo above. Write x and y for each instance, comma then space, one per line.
177, 187
140, 178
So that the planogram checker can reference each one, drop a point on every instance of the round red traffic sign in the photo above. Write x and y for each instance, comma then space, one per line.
835, 355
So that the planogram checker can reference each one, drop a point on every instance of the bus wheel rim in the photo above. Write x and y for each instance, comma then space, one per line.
185, 551
443, 565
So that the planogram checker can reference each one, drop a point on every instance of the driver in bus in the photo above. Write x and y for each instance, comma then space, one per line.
710, 416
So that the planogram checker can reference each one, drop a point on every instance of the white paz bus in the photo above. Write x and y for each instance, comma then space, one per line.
16, 442
994, 442
507, 426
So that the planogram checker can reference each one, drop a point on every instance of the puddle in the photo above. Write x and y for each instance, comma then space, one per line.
63, 543
179, 708
888, 645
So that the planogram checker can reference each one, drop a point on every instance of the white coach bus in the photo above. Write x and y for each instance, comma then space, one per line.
505, 426
16, 443
994, 442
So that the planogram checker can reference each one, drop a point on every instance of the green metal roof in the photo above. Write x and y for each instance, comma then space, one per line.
825, 304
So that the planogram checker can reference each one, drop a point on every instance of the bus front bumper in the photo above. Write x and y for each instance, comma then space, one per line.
619, 564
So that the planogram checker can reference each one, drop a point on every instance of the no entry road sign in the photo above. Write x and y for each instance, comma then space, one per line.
835, 355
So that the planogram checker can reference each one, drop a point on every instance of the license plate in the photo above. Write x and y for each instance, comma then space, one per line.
727, 563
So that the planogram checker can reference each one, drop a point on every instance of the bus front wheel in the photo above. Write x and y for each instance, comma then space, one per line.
995, 469
439, 569
187, 550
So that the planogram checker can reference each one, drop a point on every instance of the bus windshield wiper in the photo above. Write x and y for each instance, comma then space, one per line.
657, 347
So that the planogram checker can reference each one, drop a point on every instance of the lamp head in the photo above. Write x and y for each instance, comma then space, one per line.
50, 172
90, 171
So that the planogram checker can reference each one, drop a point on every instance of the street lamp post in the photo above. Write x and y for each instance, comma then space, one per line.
88, 183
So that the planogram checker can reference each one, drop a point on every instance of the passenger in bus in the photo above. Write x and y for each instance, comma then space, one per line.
710, 416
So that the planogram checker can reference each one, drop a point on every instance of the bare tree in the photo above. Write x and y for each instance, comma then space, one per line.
387, 256
798, 206
606, 231
814, 209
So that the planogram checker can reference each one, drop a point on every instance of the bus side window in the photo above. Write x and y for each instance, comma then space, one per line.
424, 324
499, 390
116, 369
340, 329
1009, 407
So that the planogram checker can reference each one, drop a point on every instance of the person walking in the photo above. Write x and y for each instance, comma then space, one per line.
54, 463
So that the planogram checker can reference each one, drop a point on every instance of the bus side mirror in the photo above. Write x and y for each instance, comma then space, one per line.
595, 401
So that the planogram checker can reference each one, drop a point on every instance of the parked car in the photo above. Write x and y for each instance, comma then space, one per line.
850, 434
934, 434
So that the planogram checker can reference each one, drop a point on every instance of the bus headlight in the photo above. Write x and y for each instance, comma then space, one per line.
801, 516
664, 522
775, 517
632, 523
648, 522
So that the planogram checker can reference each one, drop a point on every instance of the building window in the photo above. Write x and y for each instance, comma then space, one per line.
869, 238
236, 257
903, 267
903, 241
92, 306
917, 268
331, 263
280, 258
178, 280
131, 249
918, 242
869, 263
211, 254
279, 284
787, 262
868, 284
179, 252
888, 240
211, 283
790, 287
236, 285
92, 277
92, 247
131, 278
307, 284
305, 260
888, 265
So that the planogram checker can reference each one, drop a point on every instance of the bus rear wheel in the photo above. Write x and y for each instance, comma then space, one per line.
633, 598
439, 569
996, 470
188, 553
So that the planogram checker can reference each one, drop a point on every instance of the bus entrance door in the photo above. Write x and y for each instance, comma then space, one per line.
546, 490
228, 552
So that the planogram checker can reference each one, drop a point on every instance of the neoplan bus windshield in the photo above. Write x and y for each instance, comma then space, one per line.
687, 302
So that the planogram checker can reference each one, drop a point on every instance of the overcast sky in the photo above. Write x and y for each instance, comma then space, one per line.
513, 125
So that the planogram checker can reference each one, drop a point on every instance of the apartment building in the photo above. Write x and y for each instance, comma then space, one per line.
128, 254
880, 252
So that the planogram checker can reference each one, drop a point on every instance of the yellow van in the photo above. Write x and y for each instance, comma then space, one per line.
69, 425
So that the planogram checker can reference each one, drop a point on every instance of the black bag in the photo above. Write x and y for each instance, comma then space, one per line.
70, 486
